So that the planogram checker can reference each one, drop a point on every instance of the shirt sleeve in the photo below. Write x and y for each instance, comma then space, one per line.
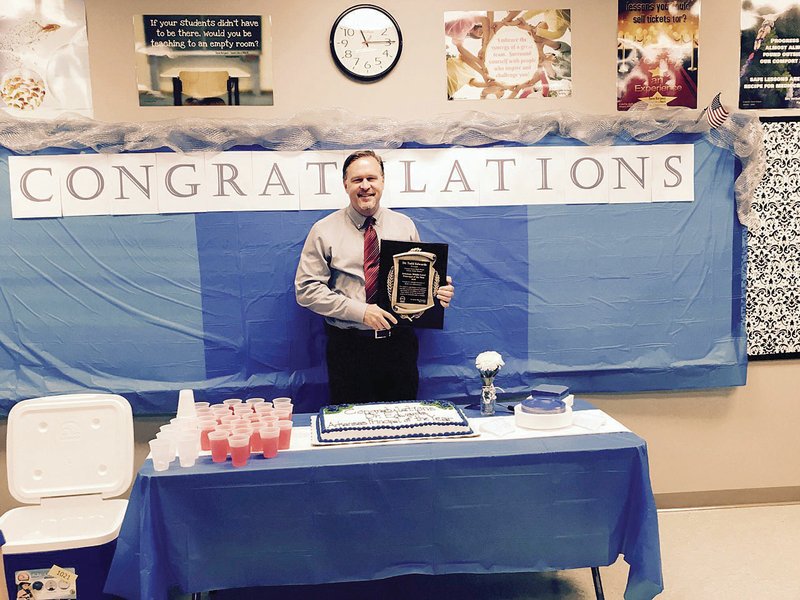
414, 233
311, 284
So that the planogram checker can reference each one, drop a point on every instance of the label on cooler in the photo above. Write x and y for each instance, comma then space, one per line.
56, 583
67, 575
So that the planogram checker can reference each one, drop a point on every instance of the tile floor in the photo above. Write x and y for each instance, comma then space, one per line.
741, 553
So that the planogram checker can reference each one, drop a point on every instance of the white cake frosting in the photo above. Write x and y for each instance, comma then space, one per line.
390, 420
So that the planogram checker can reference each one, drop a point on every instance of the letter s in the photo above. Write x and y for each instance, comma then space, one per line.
677, 174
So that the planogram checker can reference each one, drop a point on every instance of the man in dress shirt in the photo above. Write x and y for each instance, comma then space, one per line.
368, 359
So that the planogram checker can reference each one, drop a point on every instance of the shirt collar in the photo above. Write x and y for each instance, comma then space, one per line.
358, 219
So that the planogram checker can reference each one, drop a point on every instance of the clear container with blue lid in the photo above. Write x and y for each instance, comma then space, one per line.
543, 406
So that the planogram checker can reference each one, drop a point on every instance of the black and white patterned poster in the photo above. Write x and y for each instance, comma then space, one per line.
773, 267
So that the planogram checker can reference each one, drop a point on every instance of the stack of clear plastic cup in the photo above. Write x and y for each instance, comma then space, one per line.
186, 403
184, 423
188, 447
169, 433
161, 454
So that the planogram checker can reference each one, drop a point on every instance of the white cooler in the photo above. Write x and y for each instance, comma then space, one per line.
66, 455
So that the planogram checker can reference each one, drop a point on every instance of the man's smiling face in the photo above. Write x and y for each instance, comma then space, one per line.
364, 185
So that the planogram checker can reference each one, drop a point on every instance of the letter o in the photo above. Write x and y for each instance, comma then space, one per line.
573, 172
100, 183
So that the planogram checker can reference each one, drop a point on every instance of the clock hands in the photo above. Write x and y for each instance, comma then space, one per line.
367, 42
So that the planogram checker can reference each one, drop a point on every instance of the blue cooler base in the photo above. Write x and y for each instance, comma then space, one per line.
91, 564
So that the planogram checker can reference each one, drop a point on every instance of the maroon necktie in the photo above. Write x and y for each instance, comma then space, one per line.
370, 260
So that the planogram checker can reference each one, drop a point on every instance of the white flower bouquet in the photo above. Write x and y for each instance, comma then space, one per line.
489, 364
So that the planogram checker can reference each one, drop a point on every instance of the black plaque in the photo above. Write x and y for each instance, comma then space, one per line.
410, 273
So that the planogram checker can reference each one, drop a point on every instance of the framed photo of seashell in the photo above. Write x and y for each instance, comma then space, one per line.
22, 90
44, 59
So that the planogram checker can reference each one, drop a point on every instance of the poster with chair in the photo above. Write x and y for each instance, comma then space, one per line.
201, 60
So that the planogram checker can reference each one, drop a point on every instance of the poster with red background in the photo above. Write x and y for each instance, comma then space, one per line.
657, 52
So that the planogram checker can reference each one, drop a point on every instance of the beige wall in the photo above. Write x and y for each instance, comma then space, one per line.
708, 446
306, 79
720, 446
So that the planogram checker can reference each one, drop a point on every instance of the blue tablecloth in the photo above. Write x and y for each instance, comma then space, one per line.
373, 511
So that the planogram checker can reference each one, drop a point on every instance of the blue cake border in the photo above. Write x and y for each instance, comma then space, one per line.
444, 403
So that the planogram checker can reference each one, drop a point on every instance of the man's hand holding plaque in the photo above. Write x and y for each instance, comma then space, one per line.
409, 279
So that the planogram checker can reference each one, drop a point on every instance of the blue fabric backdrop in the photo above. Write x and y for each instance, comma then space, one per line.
620, 297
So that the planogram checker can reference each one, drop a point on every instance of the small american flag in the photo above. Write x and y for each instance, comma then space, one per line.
716, 114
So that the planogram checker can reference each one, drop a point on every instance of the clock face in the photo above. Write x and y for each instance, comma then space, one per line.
366, 42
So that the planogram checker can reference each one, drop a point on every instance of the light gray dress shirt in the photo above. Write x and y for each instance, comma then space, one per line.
330, 275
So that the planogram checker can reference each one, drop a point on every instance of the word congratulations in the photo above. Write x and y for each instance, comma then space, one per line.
126, 184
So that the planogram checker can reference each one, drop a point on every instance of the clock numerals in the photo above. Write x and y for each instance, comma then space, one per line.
366, 42
367, 51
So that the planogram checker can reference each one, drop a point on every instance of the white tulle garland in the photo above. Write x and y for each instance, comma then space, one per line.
741, 133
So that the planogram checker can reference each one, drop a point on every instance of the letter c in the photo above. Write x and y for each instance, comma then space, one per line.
23, 185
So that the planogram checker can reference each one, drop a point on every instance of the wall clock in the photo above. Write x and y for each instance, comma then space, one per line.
366, 42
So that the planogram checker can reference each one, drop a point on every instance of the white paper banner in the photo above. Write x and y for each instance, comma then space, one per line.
124, 184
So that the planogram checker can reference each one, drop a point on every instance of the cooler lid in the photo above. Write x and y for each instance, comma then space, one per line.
69, 445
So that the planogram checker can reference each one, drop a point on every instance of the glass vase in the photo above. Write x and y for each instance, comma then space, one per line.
488, 397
